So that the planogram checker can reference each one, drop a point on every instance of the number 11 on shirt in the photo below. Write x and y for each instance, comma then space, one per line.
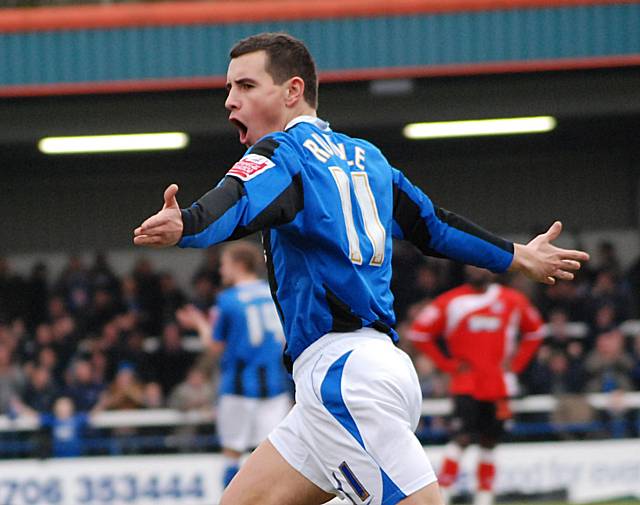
373, 227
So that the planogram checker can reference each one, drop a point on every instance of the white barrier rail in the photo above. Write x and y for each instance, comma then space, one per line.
436, 407
120, 419
541, 403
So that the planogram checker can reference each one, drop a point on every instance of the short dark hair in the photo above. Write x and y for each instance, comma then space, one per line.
287, 57
248, 254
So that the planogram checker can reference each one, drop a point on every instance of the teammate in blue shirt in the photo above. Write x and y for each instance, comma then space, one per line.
328, 206
246, 333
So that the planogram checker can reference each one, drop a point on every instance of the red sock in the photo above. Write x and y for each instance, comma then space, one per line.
486, 476
448, 472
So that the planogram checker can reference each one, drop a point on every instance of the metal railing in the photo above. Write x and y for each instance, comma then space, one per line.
430, 407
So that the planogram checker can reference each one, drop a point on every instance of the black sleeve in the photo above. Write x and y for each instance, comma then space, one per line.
211, 206
472, 228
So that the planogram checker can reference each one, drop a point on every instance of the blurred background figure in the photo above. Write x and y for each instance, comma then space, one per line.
61, 432
197, 393
153, 397
67, 428
171, 361
477, 324
609, 368
82, 387
40, 392
573, 408
12, 381
246, 333
126, 392
149, 296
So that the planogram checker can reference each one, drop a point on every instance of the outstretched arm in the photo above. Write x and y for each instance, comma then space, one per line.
541, 261
438, 232
262, 190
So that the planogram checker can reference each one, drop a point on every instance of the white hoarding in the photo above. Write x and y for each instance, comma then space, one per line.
589, 471
126, 480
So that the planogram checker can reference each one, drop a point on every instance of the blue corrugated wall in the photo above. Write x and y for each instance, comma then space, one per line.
167, 52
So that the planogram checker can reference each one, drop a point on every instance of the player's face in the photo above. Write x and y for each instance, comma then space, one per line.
477, 276
256, 103
228, 269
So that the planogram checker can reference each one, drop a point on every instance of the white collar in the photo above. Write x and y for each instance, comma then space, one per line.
323, 125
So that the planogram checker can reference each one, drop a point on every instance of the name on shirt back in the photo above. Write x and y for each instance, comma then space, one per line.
323, 148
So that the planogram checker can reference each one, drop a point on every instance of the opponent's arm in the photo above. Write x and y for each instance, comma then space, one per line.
531, 336
441, 361
425, 329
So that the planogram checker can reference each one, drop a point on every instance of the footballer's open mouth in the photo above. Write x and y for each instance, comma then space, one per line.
242, 129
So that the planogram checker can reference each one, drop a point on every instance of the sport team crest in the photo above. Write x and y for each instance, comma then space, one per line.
250, 166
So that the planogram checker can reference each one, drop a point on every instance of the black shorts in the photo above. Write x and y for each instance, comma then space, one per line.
477, 418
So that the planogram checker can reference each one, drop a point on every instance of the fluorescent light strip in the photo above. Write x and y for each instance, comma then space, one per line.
479, 127
114, 143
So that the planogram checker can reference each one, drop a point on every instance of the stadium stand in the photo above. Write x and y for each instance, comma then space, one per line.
110, 343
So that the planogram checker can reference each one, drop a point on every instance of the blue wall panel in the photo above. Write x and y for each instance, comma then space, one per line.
166, 52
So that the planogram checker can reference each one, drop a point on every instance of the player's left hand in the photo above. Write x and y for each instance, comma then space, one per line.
164, 228
541, 261
190, 317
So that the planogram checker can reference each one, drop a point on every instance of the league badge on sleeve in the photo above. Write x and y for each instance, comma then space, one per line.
250, 166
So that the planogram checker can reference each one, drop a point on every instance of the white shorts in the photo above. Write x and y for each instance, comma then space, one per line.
350, 432
243, 423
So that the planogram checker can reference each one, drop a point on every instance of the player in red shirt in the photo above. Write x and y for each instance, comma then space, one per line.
480, 323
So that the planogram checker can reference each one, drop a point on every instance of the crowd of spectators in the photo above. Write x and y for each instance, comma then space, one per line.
103, 342
84, 337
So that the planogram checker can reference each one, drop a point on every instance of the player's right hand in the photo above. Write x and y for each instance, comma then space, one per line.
164, 228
